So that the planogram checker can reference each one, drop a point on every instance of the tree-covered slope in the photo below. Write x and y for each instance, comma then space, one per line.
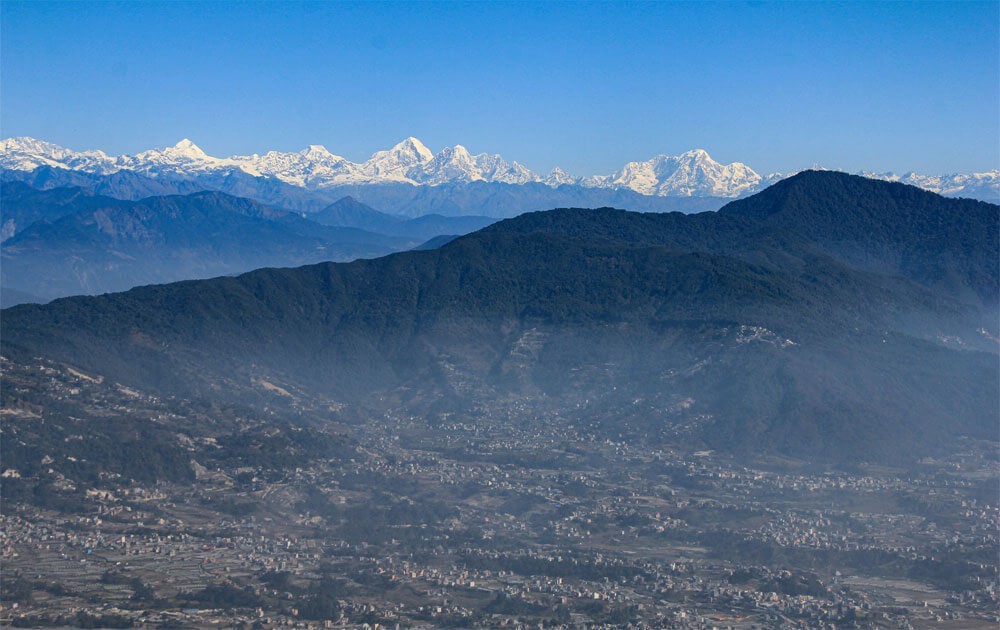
952, 245
715, 329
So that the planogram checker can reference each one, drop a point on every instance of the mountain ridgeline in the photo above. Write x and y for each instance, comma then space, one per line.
455, 199
828, 316
479, 183
349, 212
66, 241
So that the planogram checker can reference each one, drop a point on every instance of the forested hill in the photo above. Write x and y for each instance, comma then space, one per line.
948, 244
828, 316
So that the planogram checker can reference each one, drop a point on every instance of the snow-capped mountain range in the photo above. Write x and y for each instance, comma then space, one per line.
690, 174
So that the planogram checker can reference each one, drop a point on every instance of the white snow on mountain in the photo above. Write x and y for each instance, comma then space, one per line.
183, 158
558, 177
394, 164
690, 174
25, 154
456, 164
977, 185
693, 173
312, 167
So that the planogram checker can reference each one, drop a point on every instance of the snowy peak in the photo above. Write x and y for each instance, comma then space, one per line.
25, 154
394, 163
184, 154
409, 152
690, 174
495, 168
458, 152
451, 164
976, 185
457, 164
319, 153
186, 148
312, 167
412, 162
415, 148
695, 155
558, 177
31, 146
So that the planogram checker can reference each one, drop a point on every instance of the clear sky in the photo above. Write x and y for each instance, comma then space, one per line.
781, 86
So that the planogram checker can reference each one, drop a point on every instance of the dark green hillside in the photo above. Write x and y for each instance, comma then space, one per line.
715, 329
948, 244
952, 245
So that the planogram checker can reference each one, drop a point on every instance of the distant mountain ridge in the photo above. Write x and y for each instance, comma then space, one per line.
349, 212
690, 174
478, 198
67, 241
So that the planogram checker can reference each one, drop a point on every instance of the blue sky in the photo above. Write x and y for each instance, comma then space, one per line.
586, 86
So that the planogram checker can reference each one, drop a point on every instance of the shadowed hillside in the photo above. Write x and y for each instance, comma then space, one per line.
794, 321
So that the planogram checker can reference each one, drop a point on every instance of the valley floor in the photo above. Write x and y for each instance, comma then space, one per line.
479, 524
